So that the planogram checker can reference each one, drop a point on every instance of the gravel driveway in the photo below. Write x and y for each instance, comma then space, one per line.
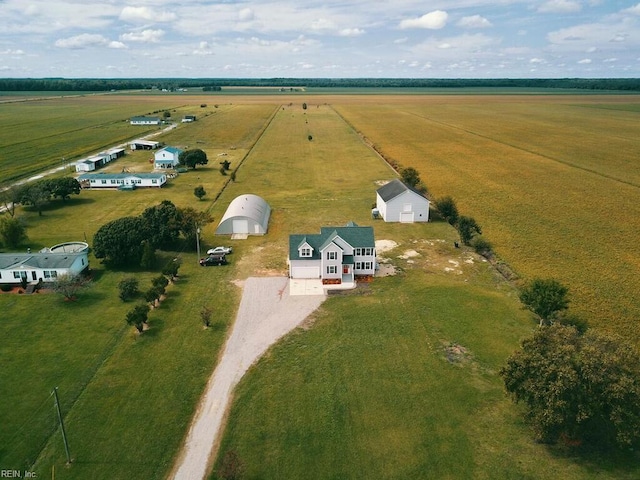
266, 313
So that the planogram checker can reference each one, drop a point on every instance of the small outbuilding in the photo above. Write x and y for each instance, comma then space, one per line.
398, 202
246, 215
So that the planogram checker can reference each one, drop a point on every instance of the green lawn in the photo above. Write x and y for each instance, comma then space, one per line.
116, 388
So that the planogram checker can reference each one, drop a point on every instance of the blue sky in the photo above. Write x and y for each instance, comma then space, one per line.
320, 39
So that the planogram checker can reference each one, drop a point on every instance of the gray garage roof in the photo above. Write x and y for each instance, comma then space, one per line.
394, 188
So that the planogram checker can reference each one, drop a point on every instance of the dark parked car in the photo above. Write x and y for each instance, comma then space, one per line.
216, 259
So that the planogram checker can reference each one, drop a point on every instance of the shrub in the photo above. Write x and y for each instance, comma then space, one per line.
128, 288
482, 246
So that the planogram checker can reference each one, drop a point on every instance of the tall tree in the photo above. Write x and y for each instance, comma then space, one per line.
545, 297
12, 231
190, 220
448, 209
582, 387
163, 224
63, 187
192, 158
9, 197
467, 228
120, 242
410, 176
37, 195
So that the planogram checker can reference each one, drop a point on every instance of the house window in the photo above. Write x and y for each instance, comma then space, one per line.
104, 182
368, 251
50, 274
368, 265
113, 182
305, 252
332, 255
358, 265
16, 274
332, 269
154, 181
358, 251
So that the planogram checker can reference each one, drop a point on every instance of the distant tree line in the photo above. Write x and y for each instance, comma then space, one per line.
216, 84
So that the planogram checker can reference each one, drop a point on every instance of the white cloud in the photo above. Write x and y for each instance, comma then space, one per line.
11, 52
246, 15
82, 41
433, 21
474, 21
635, 10
145, 36
584, 61
351, 32
323, 24
117, 45
145, 14
560, 6
204, 49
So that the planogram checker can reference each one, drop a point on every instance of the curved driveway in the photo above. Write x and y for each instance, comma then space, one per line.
266, 313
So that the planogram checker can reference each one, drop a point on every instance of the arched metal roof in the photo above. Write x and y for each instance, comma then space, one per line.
250, 211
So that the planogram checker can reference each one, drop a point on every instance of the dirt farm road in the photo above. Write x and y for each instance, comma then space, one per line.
266, 313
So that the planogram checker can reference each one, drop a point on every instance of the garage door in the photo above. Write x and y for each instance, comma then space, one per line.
305, 272
241, 226
406, 217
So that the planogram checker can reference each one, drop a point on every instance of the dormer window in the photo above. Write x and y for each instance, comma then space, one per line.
305, 252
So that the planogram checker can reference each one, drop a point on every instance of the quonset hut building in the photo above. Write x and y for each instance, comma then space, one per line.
246, 215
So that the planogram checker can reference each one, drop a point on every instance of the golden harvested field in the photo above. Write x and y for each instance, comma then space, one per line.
553, 181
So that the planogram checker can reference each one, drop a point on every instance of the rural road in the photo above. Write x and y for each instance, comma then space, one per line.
266, 313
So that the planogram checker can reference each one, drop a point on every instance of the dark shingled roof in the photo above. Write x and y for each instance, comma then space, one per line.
394, 188
354, 235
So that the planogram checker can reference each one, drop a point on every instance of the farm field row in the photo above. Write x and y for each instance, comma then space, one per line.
397, 380
555, 184
37, 135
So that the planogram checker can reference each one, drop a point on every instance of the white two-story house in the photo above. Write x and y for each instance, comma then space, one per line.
337, 255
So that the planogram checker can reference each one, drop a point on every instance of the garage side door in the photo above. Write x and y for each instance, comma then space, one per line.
406, 217
241, 226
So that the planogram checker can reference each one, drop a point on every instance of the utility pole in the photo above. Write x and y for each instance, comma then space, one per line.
198, 240
64, 434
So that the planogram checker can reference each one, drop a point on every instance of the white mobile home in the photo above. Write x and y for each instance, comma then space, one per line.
145, 121
122, 181
44, 266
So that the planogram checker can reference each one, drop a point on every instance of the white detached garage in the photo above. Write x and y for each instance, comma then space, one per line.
246, 215
397, 202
